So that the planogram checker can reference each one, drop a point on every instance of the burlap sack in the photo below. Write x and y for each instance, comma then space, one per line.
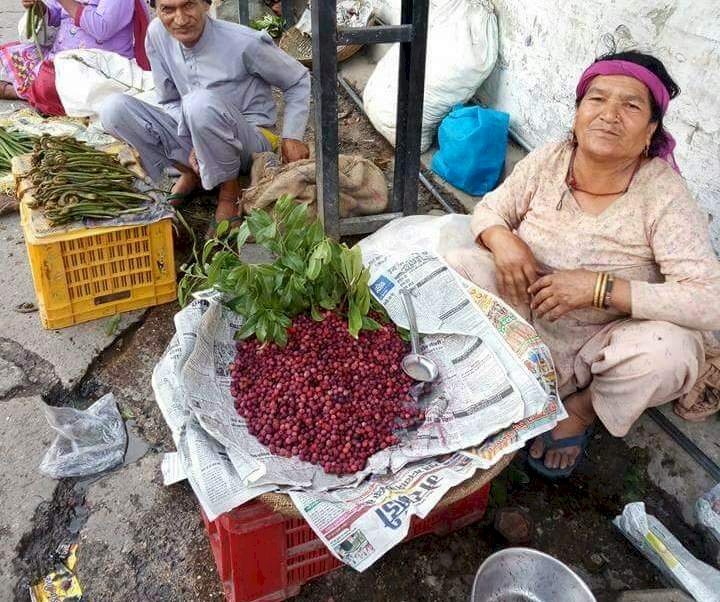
363, 190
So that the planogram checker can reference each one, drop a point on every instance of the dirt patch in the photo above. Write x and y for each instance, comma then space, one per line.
126, 368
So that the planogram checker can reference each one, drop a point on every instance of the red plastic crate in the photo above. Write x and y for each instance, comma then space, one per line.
263, 556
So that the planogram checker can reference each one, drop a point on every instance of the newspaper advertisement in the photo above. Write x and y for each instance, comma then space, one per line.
360, 525
496, 390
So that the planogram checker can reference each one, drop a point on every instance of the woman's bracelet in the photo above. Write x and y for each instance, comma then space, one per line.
600, 290
608, 292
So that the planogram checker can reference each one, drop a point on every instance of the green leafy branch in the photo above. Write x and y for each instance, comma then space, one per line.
310, 273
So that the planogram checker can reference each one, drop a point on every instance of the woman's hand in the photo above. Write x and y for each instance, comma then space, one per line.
515, 265
556, 294
28, 3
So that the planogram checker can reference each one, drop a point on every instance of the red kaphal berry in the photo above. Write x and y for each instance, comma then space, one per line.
326, 398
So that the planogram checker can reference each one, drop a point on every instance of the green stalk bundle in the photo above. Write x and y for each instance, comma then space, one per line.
72, 180
12, 144
34, 23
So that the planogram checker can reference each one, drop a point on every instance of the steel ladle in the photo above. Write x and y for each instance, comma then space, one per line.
417, 366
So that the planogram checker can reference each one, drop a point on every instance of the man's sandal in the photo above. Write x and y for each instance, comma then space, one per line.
581, 441
235, 222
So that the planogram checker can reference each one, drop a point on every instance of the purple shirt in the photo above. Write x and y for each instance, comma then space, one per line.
103, 24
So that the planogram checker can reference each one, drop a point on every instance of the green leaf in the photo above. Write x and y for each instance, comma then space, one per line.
241, 236
370, 324
327, 303
282, 337
294, 262
248, 328
354, 321
262, 329
316, 314
222, 228
297, 217
207, 249
313, 269
356, 258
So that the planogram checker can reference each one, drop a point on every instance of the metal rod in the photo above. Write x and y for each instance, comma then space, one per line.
243, 12
408, 121
288, 14
423, 180
324, 27
379, 34
682, 440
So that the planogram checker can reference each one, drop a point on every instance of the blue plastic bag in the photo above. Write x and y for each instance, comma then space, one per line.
472, 143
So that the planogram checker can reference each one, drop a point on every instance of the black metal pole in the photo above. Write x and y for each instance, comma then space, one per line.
679, 437
288, 13
243, 12
324, 30
411, 87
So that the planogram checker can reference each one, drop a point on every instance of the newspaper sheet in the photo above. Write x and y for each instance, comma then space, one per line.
496, 390
360, 525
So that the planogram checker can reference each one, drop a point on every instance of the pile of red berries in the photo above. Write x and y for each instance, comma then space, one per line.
326, 398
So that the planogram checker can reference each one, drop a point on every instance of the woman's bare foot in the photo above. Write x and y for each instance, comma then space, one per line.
7, 91
580, 416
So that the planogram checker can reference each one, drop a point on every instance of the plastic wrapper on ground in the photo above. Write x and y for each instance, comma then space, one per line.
671, 558
89, 441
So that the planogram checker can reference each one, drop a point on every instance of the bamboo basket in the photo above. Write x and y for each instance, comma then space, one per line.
299, 46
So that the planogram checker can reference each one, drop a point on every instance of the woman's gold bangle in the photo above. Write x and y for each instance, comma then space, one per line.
600, 287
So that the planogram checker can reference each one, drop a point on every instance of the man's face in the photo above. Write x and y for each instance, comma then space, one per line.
184, 19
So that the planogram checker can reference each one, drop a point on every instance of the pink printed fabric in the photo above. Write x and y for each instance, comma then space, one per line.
21, 63
647, 77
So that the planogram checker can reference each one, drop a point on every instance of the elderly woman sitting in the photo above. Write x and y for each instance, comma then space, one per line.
599, 243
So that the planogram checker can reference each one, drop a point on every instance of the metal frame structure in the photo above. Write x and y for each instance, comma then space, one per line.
326, 37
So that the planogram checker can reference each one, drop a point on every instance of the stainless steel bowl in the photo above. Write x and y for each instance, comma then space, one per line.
525, 575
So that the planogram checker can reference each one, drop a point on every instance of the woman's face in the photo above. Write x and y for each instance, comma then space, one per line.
613, 118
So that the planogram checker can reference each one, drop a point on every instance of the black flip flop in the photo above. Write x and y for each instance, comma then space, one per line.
581, 441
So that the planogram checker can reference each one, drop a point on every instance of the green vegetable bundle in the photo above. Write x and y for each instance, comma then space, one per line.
310, 273
72, 180
34, 23
270, 23
12, 144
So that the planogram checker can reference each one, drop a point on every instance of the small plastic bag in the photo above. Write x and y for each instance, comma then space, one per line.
661, 548
89, 441
472, 142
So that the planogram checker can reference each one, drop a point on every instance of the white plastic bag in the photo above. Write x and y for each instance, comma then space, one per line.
88, 441
661, 548
85, 78
461, 52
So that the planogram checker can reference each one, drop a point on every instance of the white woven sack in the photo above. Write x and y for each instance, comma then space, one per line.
461, 52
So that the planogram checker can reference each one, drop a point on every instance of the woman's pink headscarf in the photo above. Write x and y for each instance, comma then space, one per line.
652, 81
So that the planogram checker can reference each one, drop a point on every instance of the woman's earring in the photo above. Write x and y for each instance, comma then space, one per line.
647, 150
572, 139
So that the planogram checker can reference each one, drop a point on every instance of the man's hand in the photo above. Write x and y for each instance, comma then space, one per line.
556, 294
294, 150
194, 165
515, 265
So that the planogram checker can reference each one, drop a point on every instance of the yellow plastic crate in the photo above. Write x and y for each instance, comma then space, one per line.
97, 272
